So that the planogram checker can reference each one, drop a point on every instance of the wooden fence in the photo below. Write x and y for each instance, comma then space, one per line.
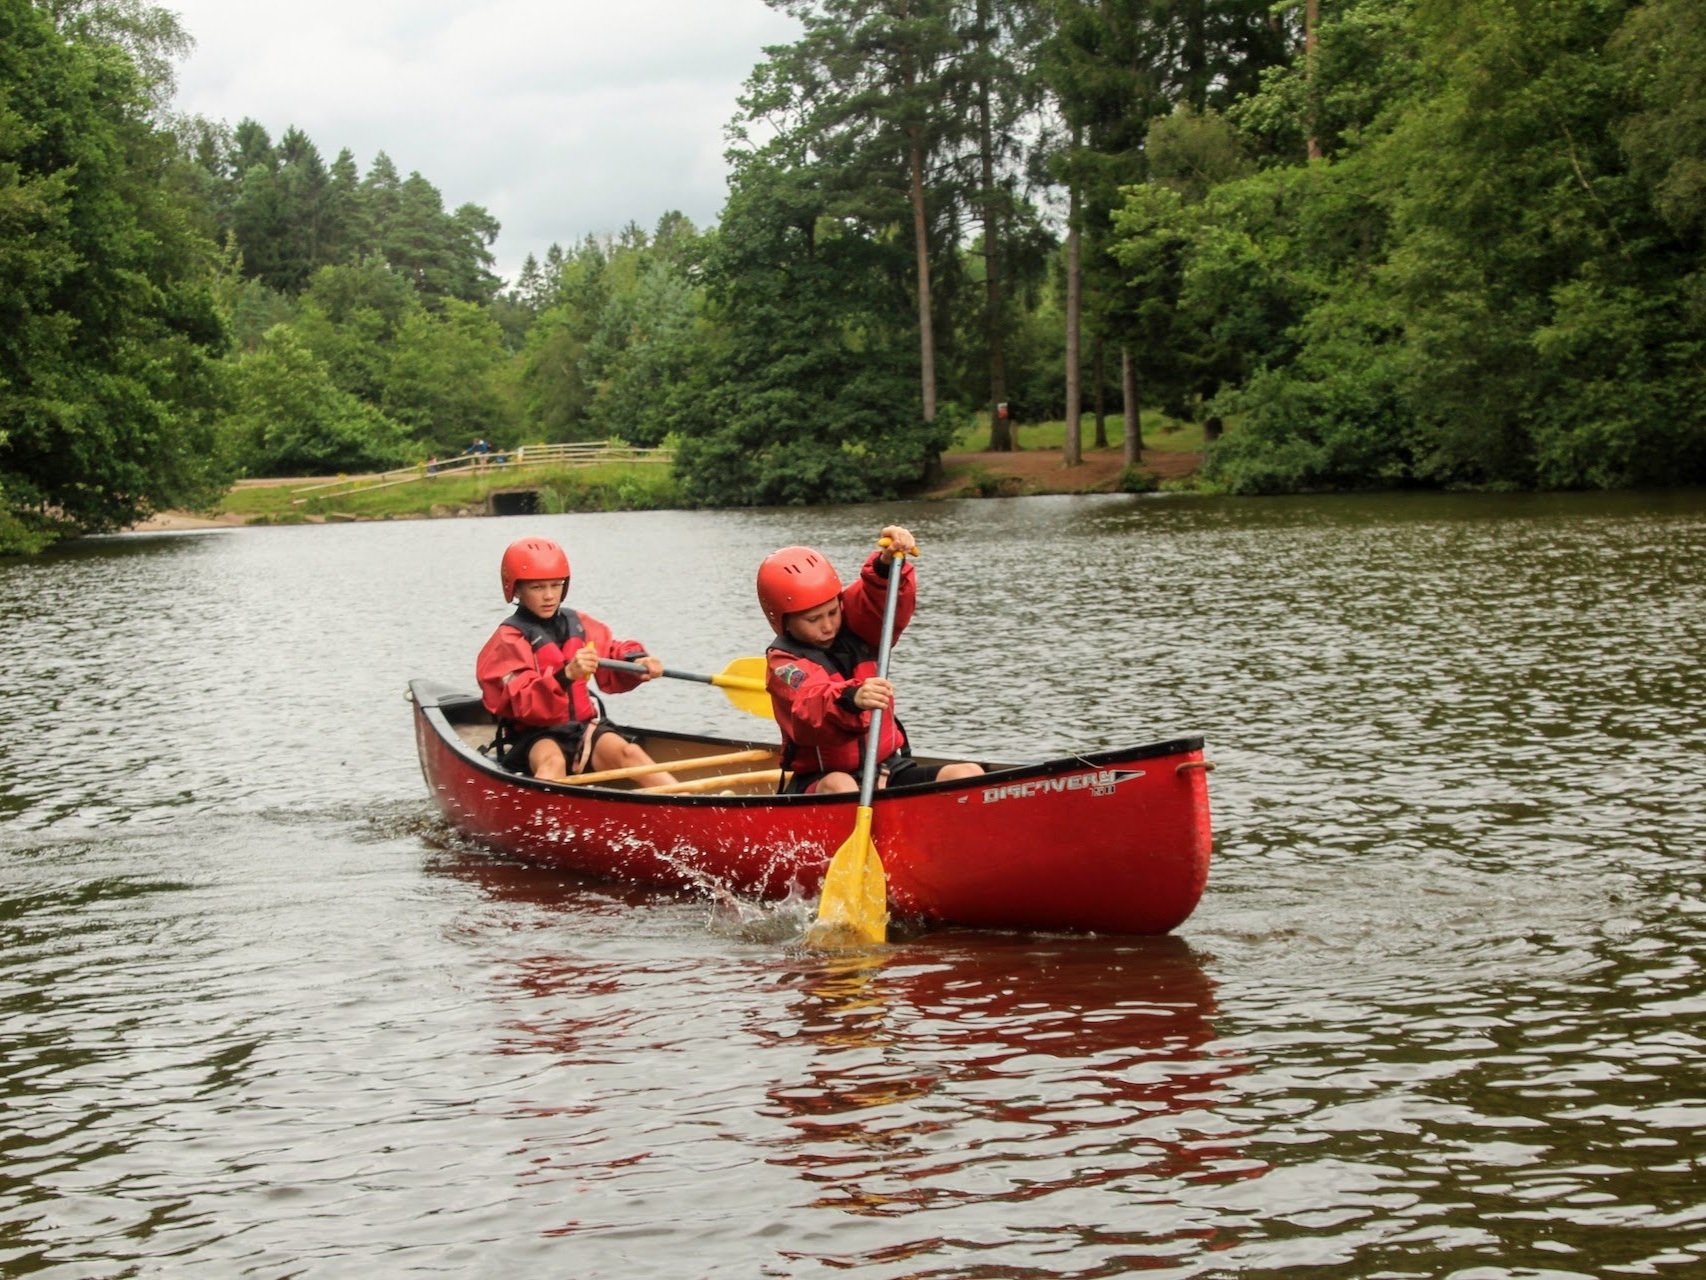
584, 453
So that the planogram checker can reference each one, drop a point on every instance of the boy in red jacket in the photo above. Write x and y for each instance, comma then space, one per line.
535, 674
822, 677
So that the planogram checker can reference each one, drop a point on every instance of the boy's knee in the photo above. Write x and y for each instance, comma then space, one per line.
546, 760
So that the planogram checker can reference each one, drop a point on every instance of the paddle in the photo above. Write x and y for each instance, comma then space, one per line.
742, 681
853, 909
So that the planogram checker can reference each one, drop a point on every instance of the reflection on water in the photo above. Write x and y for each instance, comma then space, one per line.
262, 1014
943, 1079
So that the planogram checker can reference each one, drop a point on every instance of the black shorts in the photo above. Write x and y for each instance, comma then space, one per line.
572, 738
907, 772
900, 771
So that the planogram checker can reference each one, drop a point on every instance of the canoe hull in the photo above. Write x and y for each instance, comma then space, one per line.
1108, 842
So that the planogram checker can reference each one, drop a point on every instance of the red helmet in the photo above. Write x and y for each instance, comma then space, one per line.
528, 559
793, 579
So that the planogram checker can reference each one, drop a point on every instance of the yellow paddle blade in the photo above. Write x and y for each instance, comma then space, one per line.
853, 910
742, 681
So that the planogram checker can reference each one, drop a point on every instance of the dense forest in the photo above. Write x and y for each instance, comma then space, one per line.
1367, 243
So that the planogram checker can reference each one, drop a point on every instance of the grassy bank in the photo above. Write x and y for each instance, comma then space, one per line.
1160, 433
611, 486
614, 486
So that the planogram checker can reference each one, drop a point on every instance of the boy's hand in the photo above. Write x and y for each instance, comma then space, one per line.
582, 665
874, 694
900, 541
653, 666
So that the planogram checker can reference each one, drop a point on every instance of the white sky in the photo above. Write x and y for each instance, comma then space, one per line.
562, 118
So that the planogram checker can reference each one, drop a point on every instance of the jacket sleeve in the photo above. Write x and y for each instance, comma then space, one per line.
862, 601
599, 637
513, 687
813, 704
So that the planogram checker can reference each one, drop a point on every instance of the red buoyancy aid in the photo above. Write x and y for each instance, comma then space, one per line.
517, 669
820, 732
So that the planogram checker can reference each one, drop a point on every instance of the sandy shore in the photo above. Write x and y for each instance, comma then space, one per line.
178, 521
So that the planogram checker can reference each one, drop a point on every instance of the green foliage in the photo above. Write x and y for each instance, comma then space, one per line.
980, 482
440, 381
351, 318
650, 488
290, 418
1494, 276
817, 401
107, 320
1625, 411
1137, 480
1661, 47
1481, 292
289, 214
641, 360
23, 532
1330, 418
1364, 71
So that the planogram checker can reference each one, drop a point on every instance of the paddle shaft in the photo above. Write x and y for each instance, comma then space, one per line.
728, 682
868, 778
725, 781
853, 904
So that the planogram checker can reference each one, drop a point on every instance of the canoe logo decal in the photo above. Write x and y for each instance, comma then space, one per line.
1100, 783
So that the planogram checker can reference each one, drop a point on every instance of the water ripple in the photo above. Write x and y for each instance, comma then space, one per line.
263, 1014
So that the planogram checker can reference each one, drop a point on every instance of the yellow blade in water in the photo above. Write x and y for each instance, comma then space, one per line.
853, 910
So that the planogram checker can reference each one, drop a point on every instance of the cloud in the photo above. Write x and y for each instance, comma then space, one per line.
561, 118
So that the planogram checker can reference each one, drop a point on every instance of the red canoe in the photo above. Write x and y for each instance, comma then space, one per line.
1107, 842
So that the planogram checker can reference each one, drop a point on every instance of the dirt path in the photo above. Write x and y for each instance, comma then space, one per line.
1042, 471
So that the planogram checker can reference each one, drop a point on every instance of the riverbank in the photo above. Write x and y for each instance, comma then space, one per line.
980, 474
1041, 470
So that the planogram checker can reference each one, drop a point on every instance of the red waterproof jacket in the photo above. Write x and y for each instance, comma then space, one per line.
811, 690
518, 666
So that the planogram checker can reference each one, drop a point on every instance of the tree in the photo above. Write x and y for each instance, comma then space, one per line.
813, 399
1118, 68
554, 377
350, 318
1003, 90
107, 318
645, 355
290, 418
441, 377
151, 38
865, 90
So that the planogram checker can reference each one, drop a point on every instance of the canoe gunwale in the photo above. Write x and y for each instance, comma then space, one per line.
432, 701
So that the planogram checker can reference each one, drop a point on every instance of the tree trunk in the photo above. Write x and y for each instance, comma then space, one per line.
1098, 370
1311, 16
1133, 411
921, 239
1000, 425
1072, 451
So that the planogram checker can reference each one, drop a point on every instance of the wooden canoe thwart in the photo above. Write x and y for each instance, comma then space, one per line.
1113, 841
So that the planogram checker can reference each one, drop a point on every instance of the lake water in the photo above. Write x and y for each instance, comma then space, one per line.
1438, 1014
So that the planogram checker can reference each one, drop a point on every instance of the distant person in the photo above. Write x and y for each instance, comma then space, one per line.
536, 673
822, 676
